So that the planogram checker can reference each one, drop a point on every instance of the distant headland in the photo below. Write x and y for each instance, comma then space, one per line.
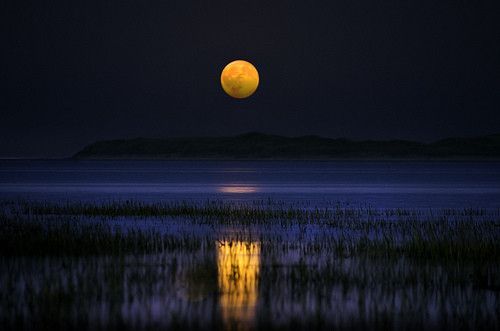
264, 146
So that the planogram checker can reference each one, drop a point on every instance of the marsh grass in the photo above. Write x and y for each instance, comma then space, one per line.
20, 237
135, 265
458, 235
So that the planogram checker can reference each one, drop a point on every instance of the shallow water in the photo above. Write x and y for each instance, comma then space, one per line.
228, 272
240, 289
382, 184
222, 272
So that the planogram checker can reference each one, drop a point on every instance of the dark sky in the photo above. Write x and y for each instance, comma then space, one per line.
73, 72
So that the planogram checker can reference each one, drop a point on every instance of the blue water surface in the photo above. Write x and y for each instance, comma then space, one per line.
381, 184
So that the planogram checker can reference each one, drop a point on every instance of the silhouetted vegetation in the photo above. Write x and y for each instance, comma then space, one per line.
49, 228
262, 146
115, 265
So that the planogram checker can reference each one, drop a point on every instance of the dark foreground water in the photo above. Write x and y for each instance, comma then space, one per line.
204, 245
409, 184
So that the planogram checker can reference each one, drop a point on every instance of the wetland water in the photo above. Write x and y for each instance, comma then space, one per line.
249, 245
384, 184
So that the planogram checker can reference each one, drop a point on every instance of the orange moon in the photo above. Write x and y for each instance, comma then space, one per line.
239, 79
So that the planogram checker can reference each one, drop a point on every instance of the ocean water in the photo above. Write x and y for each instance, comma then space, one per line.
379, 184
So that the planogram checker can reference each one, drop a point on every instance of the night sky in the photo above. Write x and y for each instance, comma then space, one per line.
73, 72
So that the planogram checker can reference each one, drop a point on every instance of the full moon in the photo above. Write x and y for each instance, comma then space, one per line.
239, 79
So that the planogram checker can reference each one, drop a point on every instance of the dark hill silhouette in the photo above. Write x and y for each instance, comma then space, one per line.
262, 146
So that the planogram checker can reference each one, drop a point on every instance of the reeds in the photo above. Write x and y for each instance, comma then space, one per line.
112, 265
41, 228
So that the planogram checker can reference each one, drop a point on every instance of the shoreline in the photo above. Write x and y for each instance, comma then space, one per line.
231, 159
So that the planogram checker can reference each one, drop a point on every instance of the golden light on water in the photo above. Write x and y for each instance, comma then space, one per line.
237, 189
238, 264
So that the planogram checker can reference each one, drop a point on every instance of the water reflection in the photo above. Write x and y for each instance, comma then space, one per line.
238, 264
232, 188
